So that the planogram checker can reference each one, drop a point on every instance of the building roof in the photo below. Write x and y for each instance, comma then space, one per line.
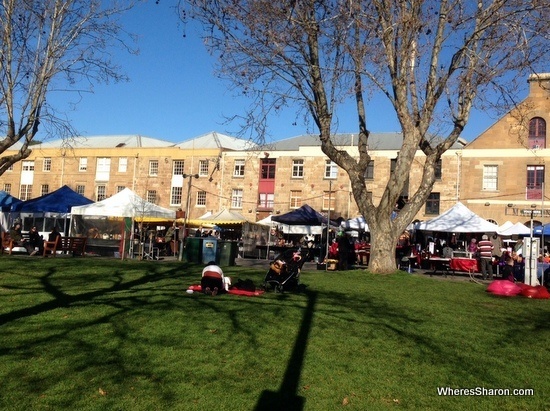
110, 141
377, 141
216, 140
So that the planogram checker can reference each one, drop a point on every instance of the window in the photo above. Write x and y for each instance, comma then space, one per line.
25, 192
101, 193
266, 200
203, 168
201, 198
490, 178
82, 164
44, 189
28, 166
177, 167
329, 200
119, 188
295, 198
10, 168
369, 172
80, 189
537, 133
153, 168
175, 196
432, 204
437, 169
103, 169
238, 170
535, 178
7, 188
297, 168
237, 198
122, 164
331, 169
47, 164
152, 196
267, 168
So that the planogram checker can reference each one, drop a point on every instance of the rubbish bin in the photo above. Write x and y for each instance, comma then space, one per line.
209, 250
193, 249
228, 252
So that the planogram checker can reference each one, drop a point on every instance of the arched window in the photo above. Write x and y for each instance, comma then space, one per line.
537, 133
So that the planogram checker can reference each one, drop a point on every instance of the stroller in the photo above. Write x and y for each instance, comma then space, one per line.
284, 270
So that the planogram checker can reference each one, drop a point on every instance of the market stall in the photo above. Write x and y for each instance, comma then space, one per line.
109, 223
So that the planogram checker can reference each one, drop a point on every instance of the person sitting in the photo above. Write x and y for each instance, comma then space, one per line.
333, 250
508, 269
18, 240
213, 281
36, 241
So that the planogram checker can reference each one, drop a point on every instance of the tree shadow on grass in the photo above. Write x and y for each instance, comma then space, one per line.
286, 398
62, 299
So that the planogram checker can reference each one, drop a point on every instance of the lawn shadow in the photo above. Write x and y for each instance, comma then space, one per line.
61, 299
286, 398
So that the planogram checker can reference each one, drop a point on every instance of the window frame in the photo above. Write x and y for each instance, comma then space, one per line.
176, 195
298, 168
238, 168
178, 167
490, 179
433, 204
203, 168
153, 168
331, 170
237, 198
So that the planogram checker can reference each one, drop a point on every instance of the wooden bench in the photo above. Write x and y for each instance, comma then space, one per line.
7, 242
74, 245
10, 246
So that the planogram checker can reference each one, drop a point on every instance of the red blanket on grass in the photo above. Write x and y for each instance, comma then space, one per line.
232, 290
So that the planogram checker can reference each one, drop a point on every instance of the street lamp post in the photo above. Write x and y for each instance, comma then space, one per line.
185, 217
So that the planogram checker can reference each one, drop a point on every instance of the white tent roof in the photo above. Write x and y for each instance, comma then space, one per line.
515, 229
505, 226
357, 223
292, 229
125, 204
458, 219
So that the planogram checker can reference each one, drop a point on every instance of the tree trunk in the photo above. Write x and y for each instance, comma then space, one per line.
383, 241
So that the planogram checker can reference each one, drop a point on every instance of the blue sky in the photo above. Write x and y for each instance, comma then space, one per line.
173, 94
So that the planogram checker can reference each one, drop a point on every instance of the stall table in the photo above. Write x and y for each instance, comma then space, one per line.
468, 265
439, 264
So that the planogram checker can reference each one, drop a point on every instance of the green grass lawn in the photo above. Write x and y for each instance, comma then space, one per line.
104, 334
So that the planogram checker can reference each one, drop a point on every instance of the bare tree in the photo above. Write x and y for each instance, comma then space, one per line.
51, 46
432, 59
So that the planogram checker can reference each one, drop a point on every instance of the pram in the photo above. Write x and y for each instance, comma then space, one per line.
284, 270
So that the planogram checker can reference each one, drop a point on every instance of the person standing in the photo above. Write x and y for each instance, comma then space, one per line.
485, 250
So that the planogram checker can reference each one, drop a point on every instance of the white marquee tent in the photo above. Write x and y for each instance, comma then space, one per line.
126, 203
514, 229
458, 219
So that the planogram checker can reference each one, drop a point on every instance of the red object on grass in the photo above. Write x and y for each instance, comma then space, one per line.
504, 287
538, 292
233, 290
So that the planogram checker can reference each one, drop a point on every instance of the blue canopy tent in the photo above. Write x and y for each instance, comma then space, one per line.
542, 230
43, 211
6, 201
305, 215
